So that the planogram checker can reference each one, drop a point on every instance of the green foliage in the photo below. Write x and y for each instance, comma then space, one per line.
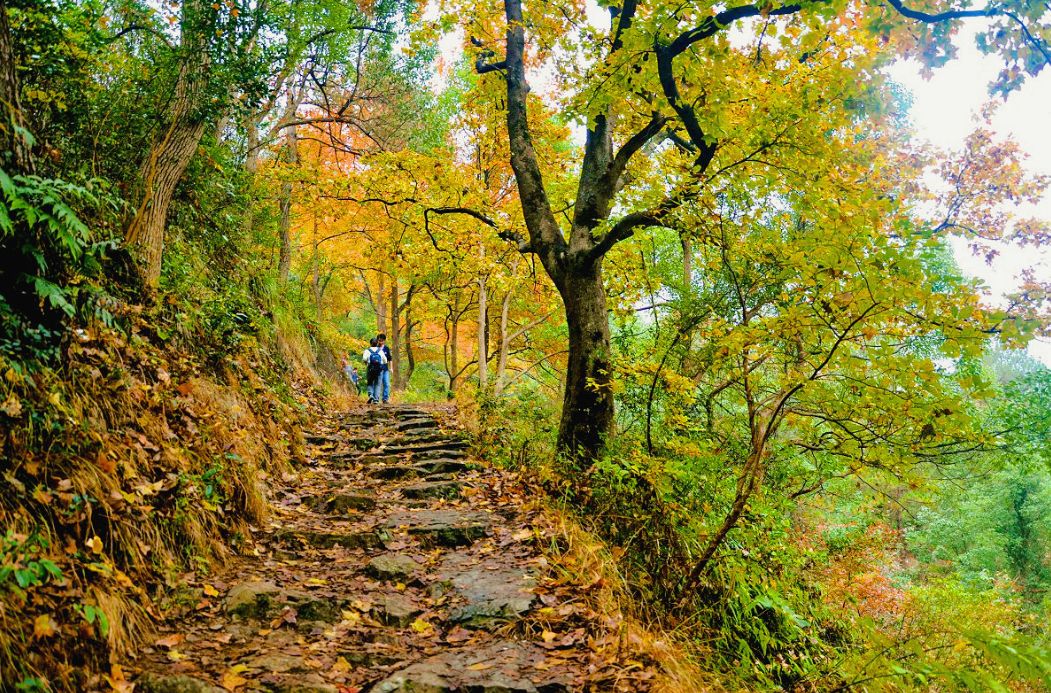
22, 565
50, 253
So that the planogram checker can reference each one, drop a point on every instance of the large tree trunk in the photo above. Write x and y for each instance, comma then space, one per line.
587, 409
182, 128
15, 155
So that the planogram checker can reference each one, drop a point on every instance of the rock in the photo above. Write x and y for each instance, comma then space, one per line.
253, 599
446, 465
416, 424
397, 610
448, 444
153, 683
431, 455
500, 594
299, 685
311, 608
278, 663
320, 438
433, 489
342, 503
419, 680
363, 443
396, 471
504, 667
368, 540
442, 527
391, 566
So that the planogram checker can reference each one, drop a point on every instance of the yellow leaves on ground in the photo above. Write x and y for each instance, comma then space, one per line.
422, 627
210, 591
232, 678
95, 544
44, 626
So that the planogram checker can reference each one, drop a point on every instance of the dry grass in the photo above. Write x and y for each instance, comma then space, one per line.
578, 557
136, 465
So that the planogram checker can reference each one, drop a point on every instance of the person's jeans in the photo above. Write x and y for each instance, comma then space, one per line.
374, 390
385, 378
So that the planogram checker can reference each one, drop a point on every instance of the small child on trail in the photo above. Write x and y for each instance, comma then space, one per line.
375, 361
352, 374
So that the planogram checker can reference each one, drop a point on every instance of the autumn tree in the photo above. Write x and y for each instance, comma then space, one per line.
675, 80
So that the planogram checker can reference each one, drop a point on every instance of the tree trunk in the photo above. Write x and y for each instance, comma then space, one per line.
291, 156
395, 336
504, 348
482, 330
252, 145
452, 348
160, 175
587, 409
316, 278
183, 126
687, 266
15, 155
410, 357
381, 305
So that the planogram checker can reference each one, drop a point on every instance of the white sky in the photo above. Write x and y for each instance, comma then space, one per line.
943, 112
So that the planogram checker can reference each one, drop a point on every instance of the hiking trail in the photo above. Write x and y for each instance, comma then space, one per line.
392, 561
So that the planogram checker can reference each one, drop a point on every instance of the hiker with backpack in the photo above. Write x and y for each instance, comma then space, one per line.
381, 341
375, 362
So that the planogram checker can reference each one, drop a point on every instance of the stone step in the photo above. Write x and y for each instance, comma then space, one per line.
450, 444
506, 666
416, 424
432, 489
393, 472
368, 540
449, 528
340, 503
392, 566
264, 601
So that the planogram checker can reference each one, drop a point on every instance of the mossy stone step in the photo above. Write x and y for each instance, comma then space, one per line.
396, 471
433, 489
340, 503
450, 528
322, 539
392, 566
263, 601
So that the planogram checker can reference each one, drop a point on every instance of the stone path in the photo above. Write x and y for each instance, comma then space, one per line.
395, 561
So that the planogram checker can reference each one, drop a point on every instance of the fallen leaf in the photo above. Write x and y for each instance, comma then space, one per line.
116, 680
95, 544
176, 656
11, 406
479, 666
44, 626
421, 627
522, 534
169, 641
211, 591
232, 678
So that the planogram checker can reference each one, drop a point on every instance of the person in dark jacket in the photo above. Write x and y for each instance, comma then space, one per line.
381, 340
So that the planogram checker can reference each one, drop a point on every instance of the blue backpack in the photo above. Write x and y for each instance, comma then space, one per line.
375, 367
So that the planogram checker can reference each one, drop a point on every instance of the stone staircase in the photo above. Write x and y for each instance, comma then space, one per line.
395, 561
